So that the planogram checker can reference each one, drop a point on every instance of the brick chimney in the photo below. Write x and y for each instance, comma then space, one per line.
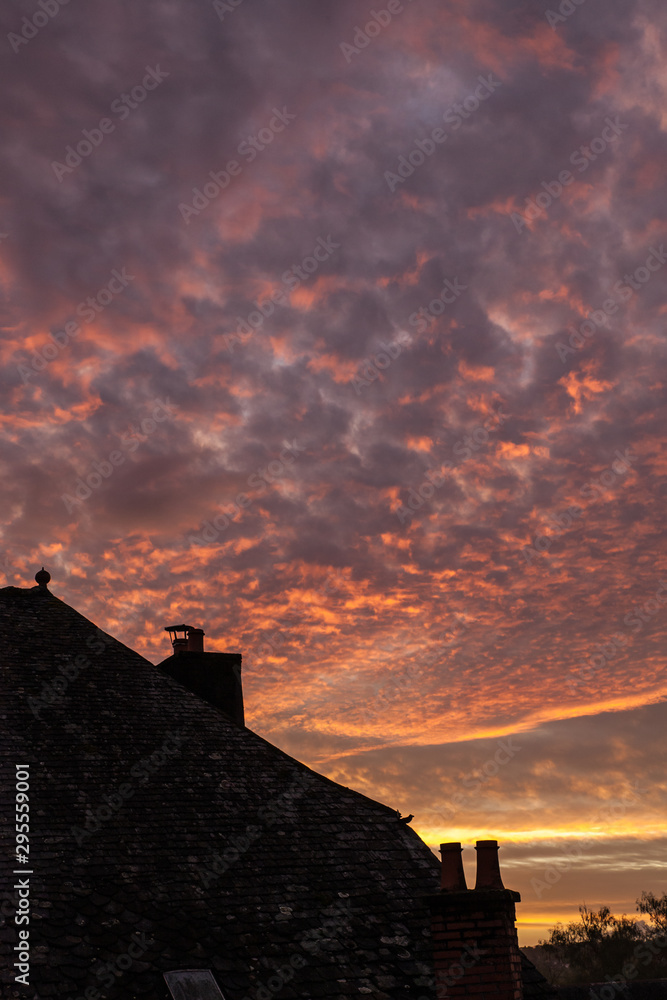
476, 949
215, 677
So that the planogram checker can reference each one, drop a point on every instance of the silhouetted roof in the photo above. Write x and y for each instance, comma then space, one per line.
327, 877
165, 836
535, 985
638, 989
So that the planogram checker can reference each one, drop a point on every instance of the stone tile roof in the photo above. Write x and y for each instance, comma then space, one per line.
205, 846
639, 989
165, 837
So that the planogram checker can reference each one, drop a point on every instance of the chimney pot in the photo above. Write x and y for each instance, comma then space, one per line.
488, 866
196, 640
215, 677
452, 876
191, 641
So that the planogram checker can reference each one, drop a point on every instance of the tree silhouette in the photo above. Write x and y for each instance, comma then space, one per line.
600, 947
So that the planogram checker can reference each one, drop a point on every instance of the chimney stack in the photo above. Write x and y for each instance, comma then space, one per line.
215, 677
452, 876
196, 640
476, 949
488, 865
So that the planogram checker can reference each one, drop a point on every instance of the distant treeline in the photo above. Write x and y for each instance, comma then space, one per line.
601, 948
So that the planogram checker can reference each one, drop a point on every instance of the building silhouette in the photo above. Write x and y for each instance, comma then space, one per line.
167, 839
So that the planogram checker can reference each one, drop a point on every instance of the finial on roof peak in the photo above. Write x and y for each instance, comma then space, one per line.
42, 577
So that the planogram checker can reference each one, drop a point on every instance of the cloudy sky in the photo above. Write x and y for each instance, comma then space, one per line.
338, 330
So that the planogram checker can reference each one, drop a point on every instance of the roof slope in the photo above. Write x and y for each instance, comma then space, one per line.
140, 791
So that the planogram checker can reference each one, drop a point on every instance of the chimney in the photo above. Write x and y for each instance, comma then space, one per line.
196, 640
215, 677
452, 875
488, 865
476, 949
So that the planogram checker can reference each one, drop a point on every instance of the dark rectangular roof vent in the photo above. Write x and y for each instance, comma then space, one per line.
193, 984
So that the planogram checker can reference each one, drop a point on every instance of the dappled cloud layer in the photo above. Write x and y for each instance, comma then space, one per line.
342, 336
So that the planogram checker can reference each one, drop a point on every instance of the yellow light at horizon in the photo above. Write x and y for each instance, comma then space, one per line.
469, 835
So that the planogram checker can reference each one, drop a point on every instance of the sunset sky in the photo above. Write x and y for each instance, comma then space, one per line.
379, 407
